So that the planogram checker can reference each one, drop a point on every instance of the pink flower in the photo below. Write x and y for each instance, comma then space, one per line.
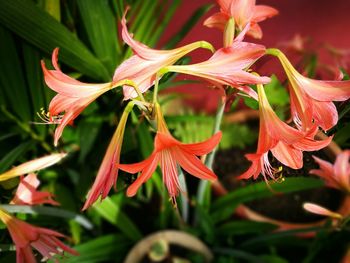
27, 194
32, 166
284, 142
169, 153
228, 66
337, 175
73, 96
26, 236
243, 12
311, 100
108, 171
142, 67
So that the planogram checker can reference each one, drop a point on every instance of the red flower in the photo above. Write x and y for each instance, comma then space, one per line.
228, 66
169, 153
108, 171
243, 12
142, 67
72, 98
337, 175
311, 100
27, 193
26, 236
284, 142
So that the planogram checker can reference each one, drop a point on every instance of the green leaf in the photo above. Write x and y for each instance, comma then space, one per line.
40, 29
244, 227
223, 207
188, 25
273, 259
50, 211
108, 248
239, 254
251, 103
13, 155
342, 136
101, 28
12, 82
88, 130
237, 135
38, 92
110, 209
276, 92
263, 240
163, 23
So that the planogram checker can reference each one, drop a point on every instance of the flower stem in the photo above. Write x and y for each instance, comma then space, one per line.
210, 158
132, 84
156, 87
26, 128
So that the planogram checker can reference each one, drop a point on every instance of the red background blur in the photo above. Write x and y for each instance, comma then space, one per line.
323, 20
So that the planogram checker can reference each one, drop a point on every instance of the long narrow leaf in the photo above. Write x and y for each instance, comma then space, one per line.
101, 29
107, 248
111, 211
33, 24
50, 211
188, 25
224, 206
12, 83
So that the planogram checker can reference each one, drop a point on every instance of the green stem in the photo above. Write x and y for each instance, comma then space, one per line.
210, 158
156, 87
26, 128
183, 196
132, 84
273, 51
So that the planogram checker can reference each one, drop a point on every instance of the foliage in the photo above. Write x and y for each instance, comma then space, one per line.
87, 33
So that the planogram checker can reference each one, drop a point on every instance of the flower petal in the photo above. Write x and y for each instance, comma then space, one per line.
255, 169
169, 171
217, 20
319, 210
326, 172
108, 172
288, 155
326, 90
342, 169
192, 164
32, 166
307, 144
147, 172
262, 12
202, 148
325, 114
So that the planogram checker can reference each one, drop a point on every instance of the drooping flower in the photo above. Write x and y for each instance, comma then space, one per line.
169, 153
142, 67
243, 12
26, 236
319, 210
108, 171
284, 142
32, 166
311, 100
27, 193
228, 66
337, 175
73, 96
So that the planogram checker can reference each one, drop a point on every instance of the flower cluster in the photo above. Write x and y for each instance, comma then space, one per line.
229, 68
